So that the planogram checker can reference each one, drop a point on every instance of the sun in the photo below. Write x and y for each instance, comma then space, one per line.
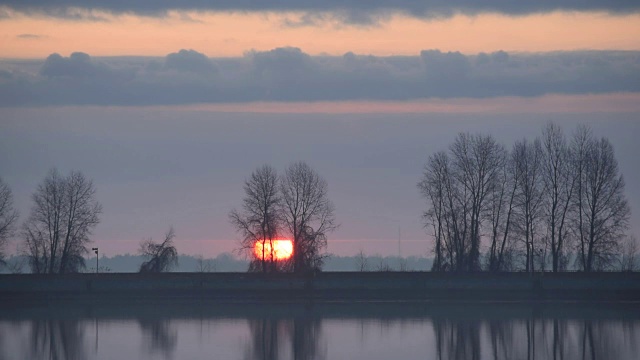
282, 249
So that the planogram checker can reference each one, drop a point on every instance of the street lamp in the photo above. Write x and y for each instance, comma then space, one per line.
95, 249
529, 258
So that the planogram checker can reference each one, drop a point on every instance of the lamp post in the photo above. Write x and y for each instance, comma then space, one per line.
95, 249
529, 258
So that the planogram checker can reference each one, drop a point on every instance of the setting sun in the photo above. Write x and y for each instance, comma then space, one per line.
282, 249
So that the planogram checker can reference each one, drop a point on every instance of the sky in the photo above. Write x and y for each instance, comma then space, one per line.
169, 108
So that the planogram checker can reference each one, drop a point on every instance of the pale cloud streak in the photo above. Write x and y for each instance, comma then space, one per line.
29, 36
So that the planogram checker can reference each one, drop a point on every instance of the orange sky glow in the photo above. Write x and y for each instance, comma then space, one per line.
232, 34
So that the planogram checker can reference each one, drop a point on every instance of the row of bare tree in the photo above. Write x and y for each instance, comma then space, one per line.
535, 207
295, 205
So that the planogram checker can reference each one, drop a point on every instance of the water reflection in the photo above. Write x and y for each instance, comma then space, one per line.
457, 340
314, 333
160, 336
61, 339
536, 339
297, 338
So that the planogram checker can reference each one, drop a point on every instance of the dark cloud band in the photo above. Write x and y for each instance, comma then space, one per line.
354, 9
289, 75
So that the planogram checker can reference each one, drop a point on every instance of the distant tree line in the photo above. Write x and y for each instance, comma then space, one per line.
545, 204
295, 205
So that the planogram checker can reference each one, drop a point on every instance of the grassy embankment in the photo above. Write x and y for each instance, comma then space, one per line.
322, 287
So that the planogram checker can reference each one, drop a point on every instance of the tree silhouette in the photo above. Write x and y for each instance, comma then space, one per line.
603, 211
308, 215
8, 218
547, 197
160, 256
295, 204
260, 220
63, 214
458, 184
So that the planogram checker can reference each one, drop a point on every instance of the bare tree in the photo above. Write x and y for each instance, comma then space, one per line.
403, 264
8, 218
580, 147
458, 186
629, 254
63, 214
160, 257
433, 189
501, 216
308, 215
259, 219
533, 204
527, 157
205, 265
559, 182
477, 162
603, 211
383, 266
361, 262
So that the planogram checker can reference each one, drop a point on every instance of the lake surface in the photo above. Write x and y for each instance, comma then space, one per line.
321, 331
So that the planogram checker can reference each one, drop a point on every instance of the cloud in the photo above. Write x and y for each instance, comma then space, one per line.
8, 11
349, 11
189, 60
290, 75
30, 36
78, 65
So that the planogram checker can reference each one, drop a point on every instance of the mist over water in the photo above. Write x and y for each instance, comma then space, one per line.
323, 331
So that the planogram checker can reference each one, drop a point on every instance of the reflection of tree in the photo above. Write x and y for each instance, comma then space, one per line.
161, 336
270, 336
599, 341
533, 339
501, 339
306, 336
264, 339
457, 339
56, 339
559, 335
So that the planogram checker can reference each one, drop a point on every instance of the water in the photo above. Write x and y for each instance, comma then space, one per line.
321, 331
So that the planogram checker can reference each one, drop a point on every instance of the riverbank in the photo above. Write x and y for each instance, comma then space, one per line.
116, 288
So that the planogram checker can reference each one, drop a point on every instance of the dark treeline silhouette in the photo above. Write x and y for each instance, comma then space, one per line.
528, 208
295, 205
228, 262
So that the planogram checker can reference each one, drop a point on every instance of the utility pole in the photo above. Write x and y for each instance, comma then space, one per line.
399, 243
95, 249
